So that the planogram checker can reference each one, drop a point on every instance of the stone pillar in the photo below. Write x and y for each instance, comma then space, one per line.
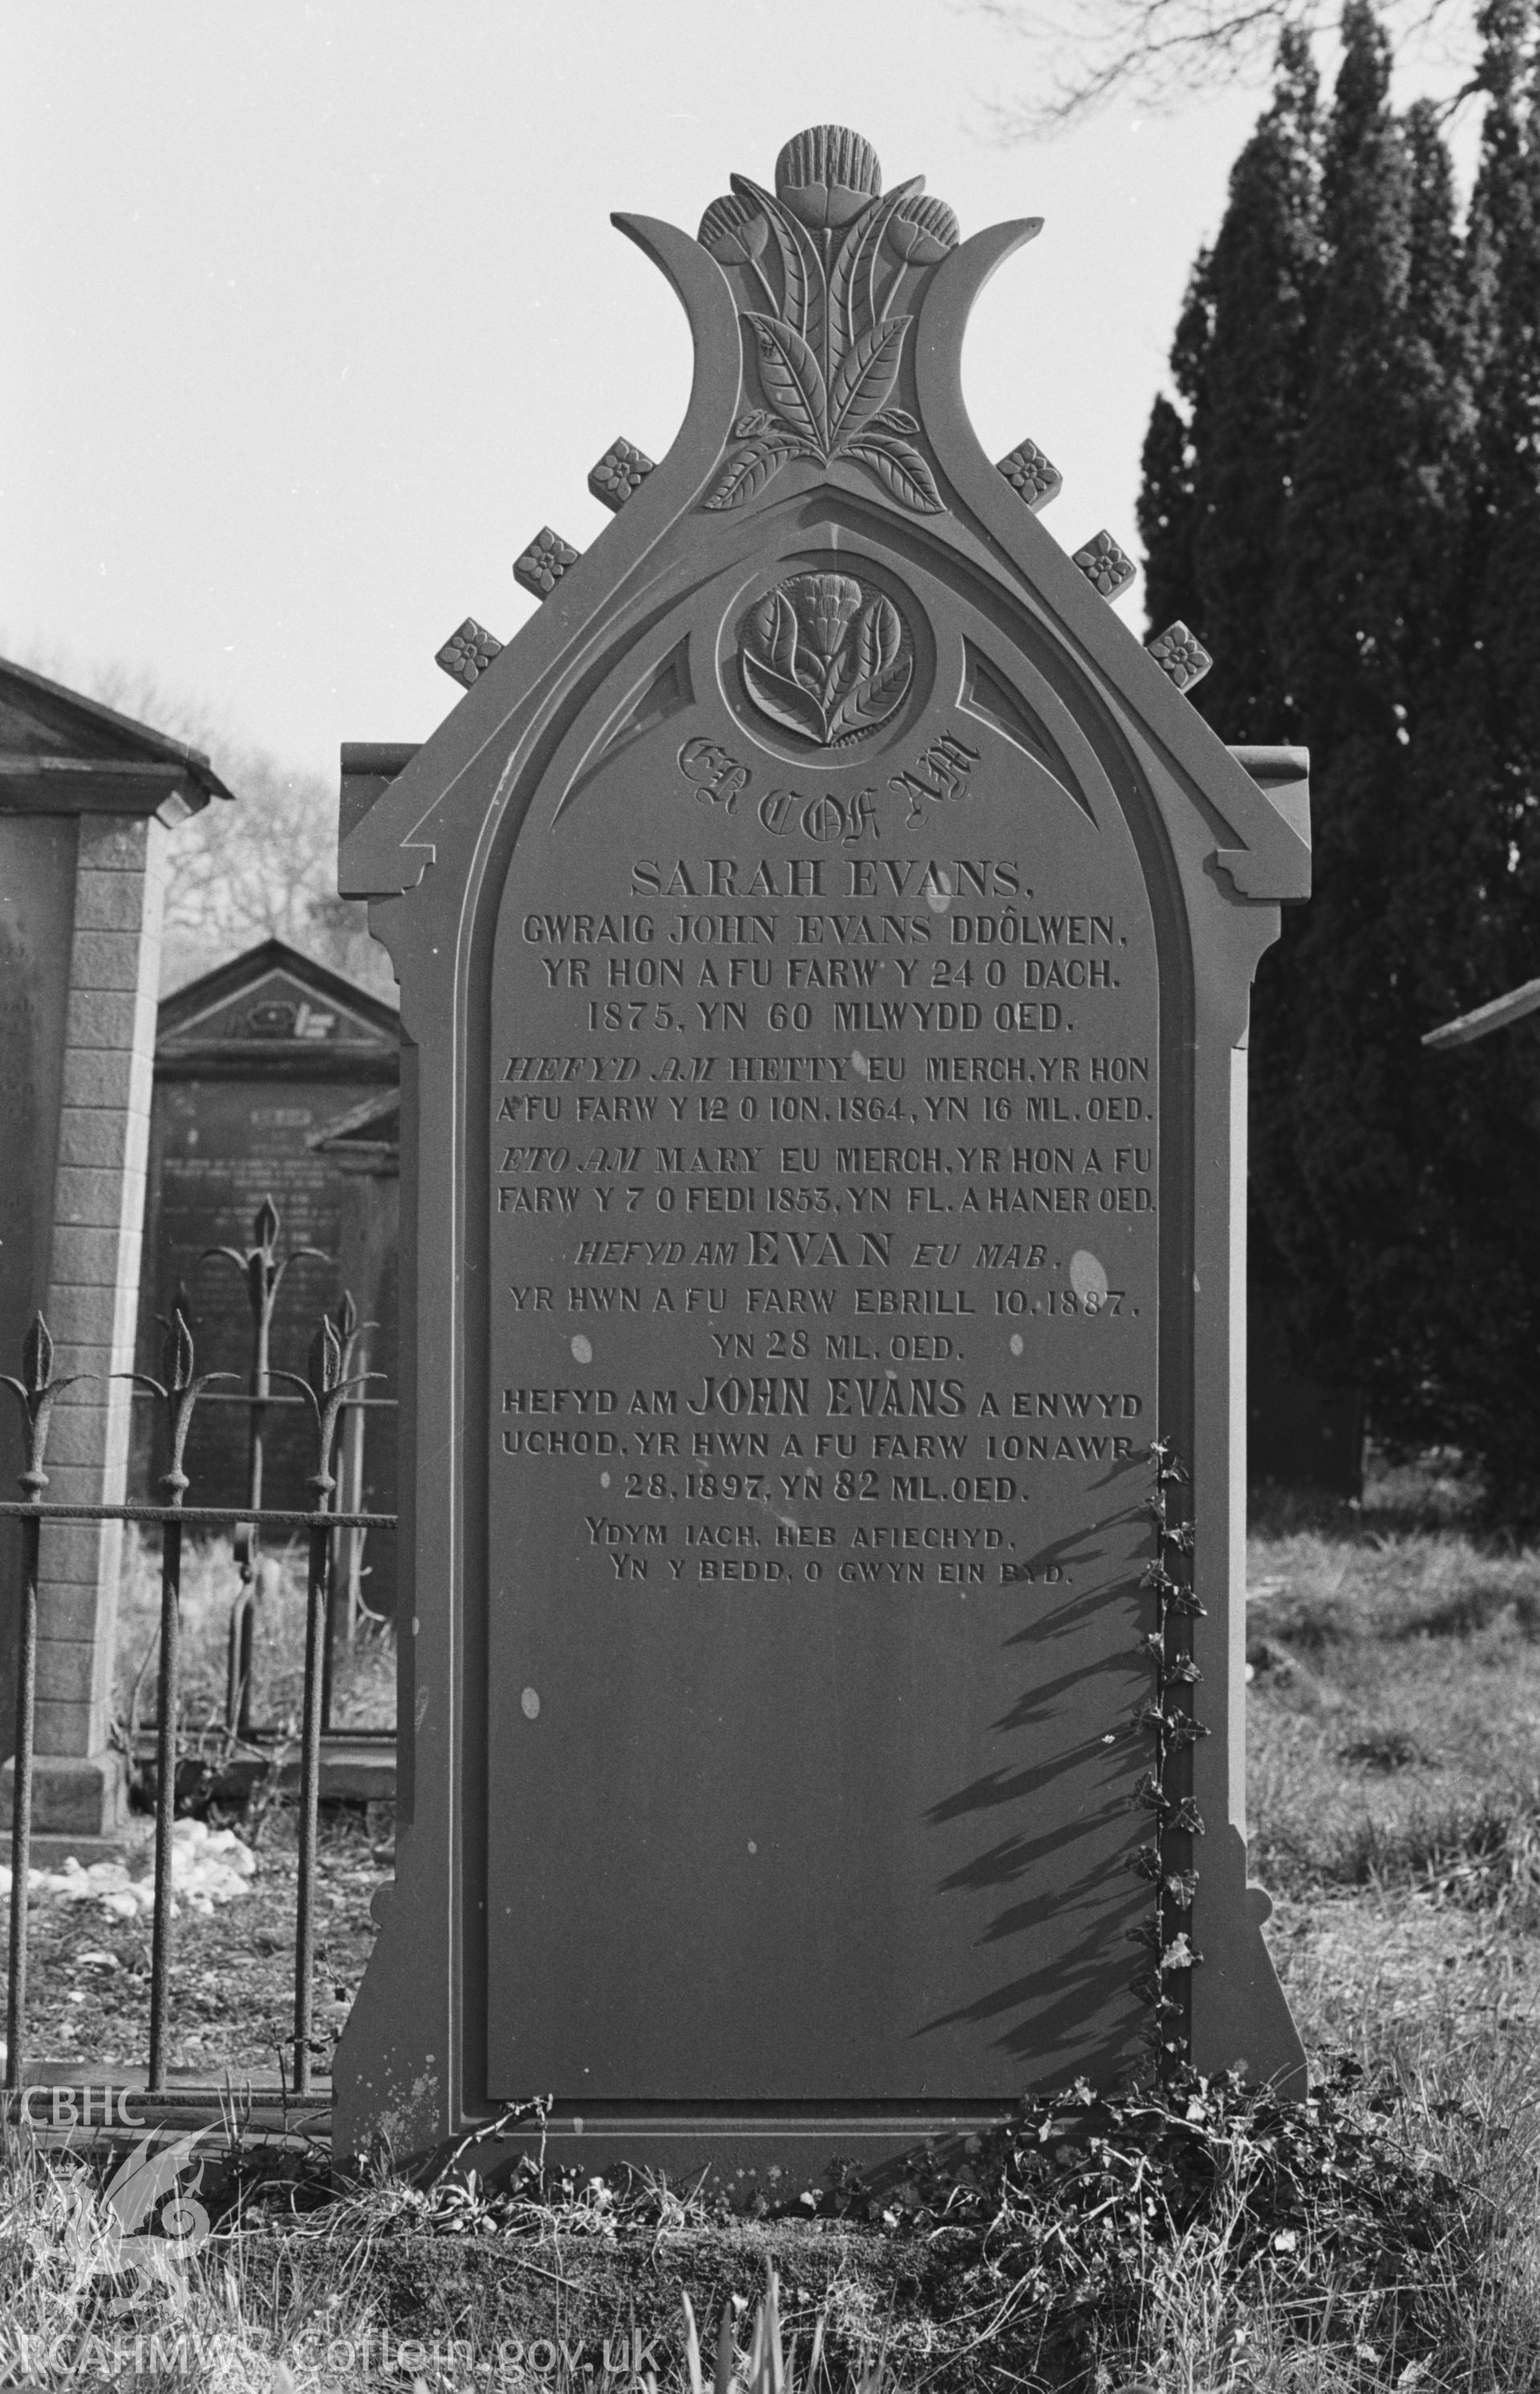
88, 1054
92, 1305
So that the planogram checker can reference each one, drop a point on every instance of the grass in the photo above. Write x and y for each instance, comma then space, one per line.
1390, 2237
1394, 1800
1216, 2242
364, 1693
1394, 1720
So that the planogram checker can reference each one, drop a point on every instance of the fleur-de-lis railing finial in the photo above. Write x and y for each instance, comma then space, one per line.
349, 1329
262, 1268
326, 1385
37, 1392
178, 1388
260, 1264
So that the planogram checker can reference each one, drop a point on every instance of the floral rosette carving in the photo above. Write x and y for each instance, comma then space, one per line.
829, 253
823, 659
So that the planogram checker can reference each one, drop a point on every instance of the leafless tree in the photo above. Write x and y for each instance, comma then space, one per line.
1163, 52
263, 868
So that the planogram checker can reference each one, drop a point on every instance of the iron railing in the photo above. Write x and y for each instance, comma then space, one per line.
262, 1267
328, 1386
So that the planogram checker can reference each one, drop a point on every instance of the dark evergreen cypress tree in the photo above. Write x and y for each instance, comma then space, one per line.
1219, 465
1167, 503
1466, 910
1504, 276
1265, 281
1344, 504
1216, 477
1347, 1176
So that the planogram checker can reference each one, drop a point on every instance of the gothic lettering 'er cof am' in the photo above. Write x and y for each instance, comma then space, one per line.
825, 934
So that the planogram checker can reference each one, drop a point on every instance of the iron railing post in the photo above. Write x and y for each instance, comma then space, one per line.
246, 1542
165, 1797
262, 1268
348, 1330
310, 1803
37, 1392
178, 1388
354, 1430
327, 1387
238, 1642
22, 1807
328, 1637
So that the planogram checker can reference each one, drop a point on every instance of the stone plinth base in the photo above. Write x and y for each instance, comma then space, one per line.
132, 1842
74, 1795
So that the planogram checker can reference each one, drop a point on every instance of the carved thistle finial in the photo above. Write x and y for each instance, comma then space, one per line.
1105, 566
827, 175
825, 658
822, 260
1181, 654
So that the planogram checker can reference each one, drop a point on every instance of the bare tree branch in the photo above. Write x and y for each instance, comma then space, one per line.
1165, 52
264, 868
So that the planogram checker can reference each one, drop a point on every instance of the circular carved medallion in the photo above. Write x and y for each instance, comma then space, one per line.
825, 659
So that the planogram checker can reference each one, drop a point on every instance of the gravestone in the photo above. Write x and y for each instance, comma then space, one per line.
824, 937
87, 800
255, 1063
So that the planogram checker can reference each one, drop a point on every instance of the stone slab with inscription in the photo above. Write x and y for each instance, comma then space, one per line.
824, 935
255, 1062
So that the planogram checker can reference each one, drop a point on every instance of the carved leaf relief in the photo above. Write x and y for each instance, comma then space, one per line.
750, 469
793, 379
903, 470
867, 373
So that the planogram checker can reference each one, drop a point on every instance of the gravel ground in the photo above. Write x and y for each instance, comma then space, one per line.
233, 2000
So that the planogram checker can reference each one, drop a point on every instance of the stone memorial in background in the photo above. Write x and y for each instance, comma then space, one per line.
824, 937
256, 1063
87, 800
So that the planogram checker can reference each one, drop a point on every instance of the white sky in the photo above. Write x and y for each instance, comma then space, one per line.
315, 315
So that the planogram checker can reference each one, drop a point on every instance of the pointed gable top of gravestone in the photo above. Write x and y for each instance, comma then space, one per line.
828, 315
273, 1009
63, 753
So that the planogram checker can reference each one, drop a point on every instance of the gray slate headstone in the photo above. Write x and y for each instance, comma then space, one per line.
824, 934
